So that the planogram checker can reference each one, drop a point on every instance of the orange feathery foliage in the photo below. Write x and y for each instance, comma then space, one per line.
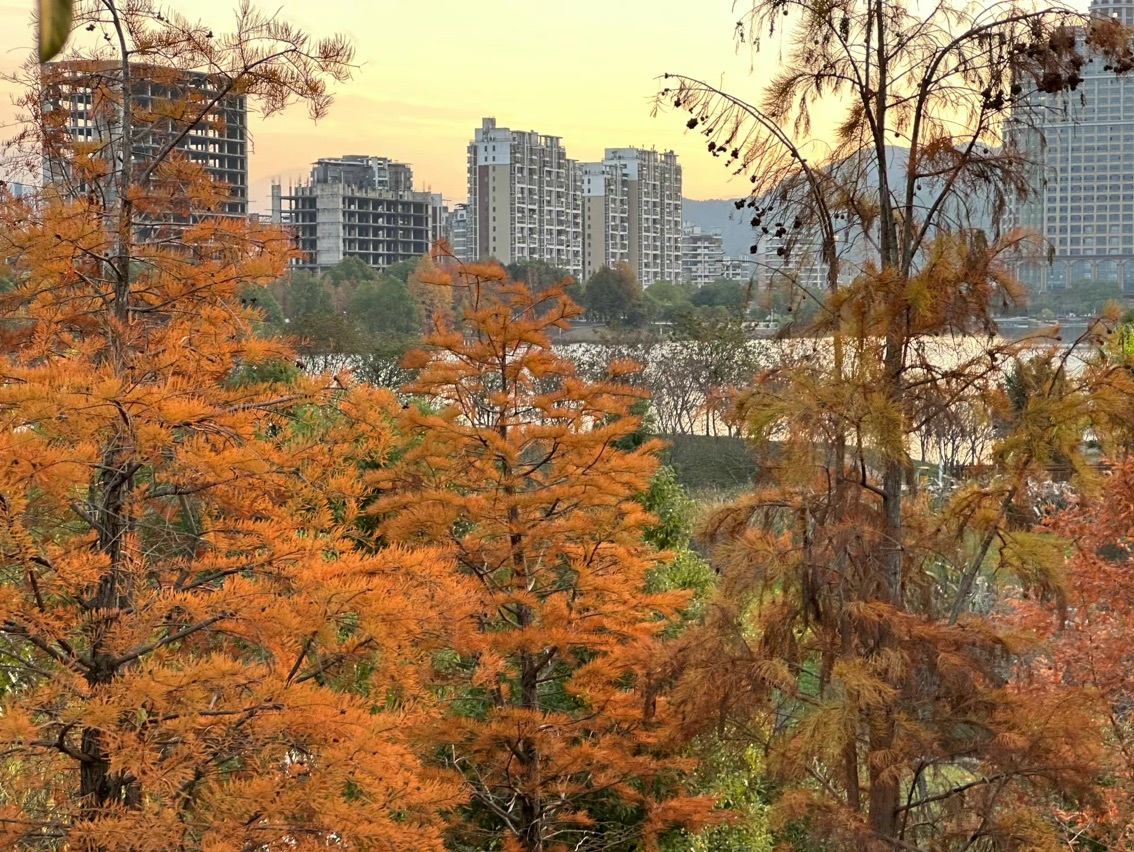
196, 652
195, 647
556, 717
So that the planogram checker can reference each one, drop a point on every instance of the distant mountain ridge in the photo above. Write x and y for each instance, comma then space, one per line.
738, 233
734, 224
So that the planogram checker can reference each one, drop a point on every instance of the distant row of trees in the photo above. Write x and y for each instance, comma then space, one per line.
353, 305
357, 317
613, 295
353, 315
1085, 298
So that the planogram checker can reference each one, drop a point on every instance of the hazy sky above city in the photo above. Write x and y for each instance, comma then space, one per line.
583, 70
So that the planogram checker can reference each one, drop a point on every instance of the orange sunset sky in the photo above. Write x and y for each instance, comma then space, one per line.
584, 70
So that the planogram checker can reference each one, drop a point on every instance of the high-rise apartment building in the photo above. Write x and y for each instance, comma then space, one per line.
438, 216
456, 231
346, 211
90, 95
782, 262
737, 269
702, 255
524, 201
364, 172
653, 191
606, 216
529, 201
1082, 199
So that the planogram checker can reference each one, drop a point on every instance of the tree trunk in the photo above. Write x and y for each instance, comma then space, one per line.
99, 788
882, 816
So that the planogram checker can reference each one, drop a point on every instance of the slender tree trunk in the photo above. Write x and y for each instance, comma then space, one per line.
532, 837
531, 804
884, 790
122, 178
884, 786
893, 353
99, 788
893, 472
850, 771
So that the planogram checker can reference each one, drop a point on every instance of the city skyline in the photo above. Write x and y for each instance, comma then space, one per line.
428, 74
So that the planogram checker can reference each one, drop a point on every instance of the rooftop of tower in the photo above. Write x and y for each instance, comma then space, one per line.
1121, 9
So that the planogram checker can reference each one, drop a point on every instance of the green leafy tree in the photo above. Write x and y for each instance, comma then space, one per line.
737, 778
389, 320
403, 270
259, 298
733, 774
614, 295
350, 271
385, 308
734, 296
326, 341
666, 300
383, 363
539, 275
301, 295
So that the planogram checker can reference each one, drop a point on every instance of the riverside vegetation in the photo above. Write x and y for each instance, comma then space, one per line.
252, 600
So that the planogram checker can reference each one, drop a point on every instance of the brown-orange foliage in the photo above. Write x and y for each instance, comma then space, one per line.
556, 718
854, 631
867, 704
1089, 647
859, 698
427, 284
196, 655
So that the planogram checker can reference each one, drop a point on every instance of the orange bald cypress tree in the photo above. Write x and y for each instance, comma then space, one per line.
555, 718
195, 654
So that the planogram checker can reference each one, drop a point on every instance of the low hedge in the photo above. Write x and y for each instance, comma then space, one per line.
707, 461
